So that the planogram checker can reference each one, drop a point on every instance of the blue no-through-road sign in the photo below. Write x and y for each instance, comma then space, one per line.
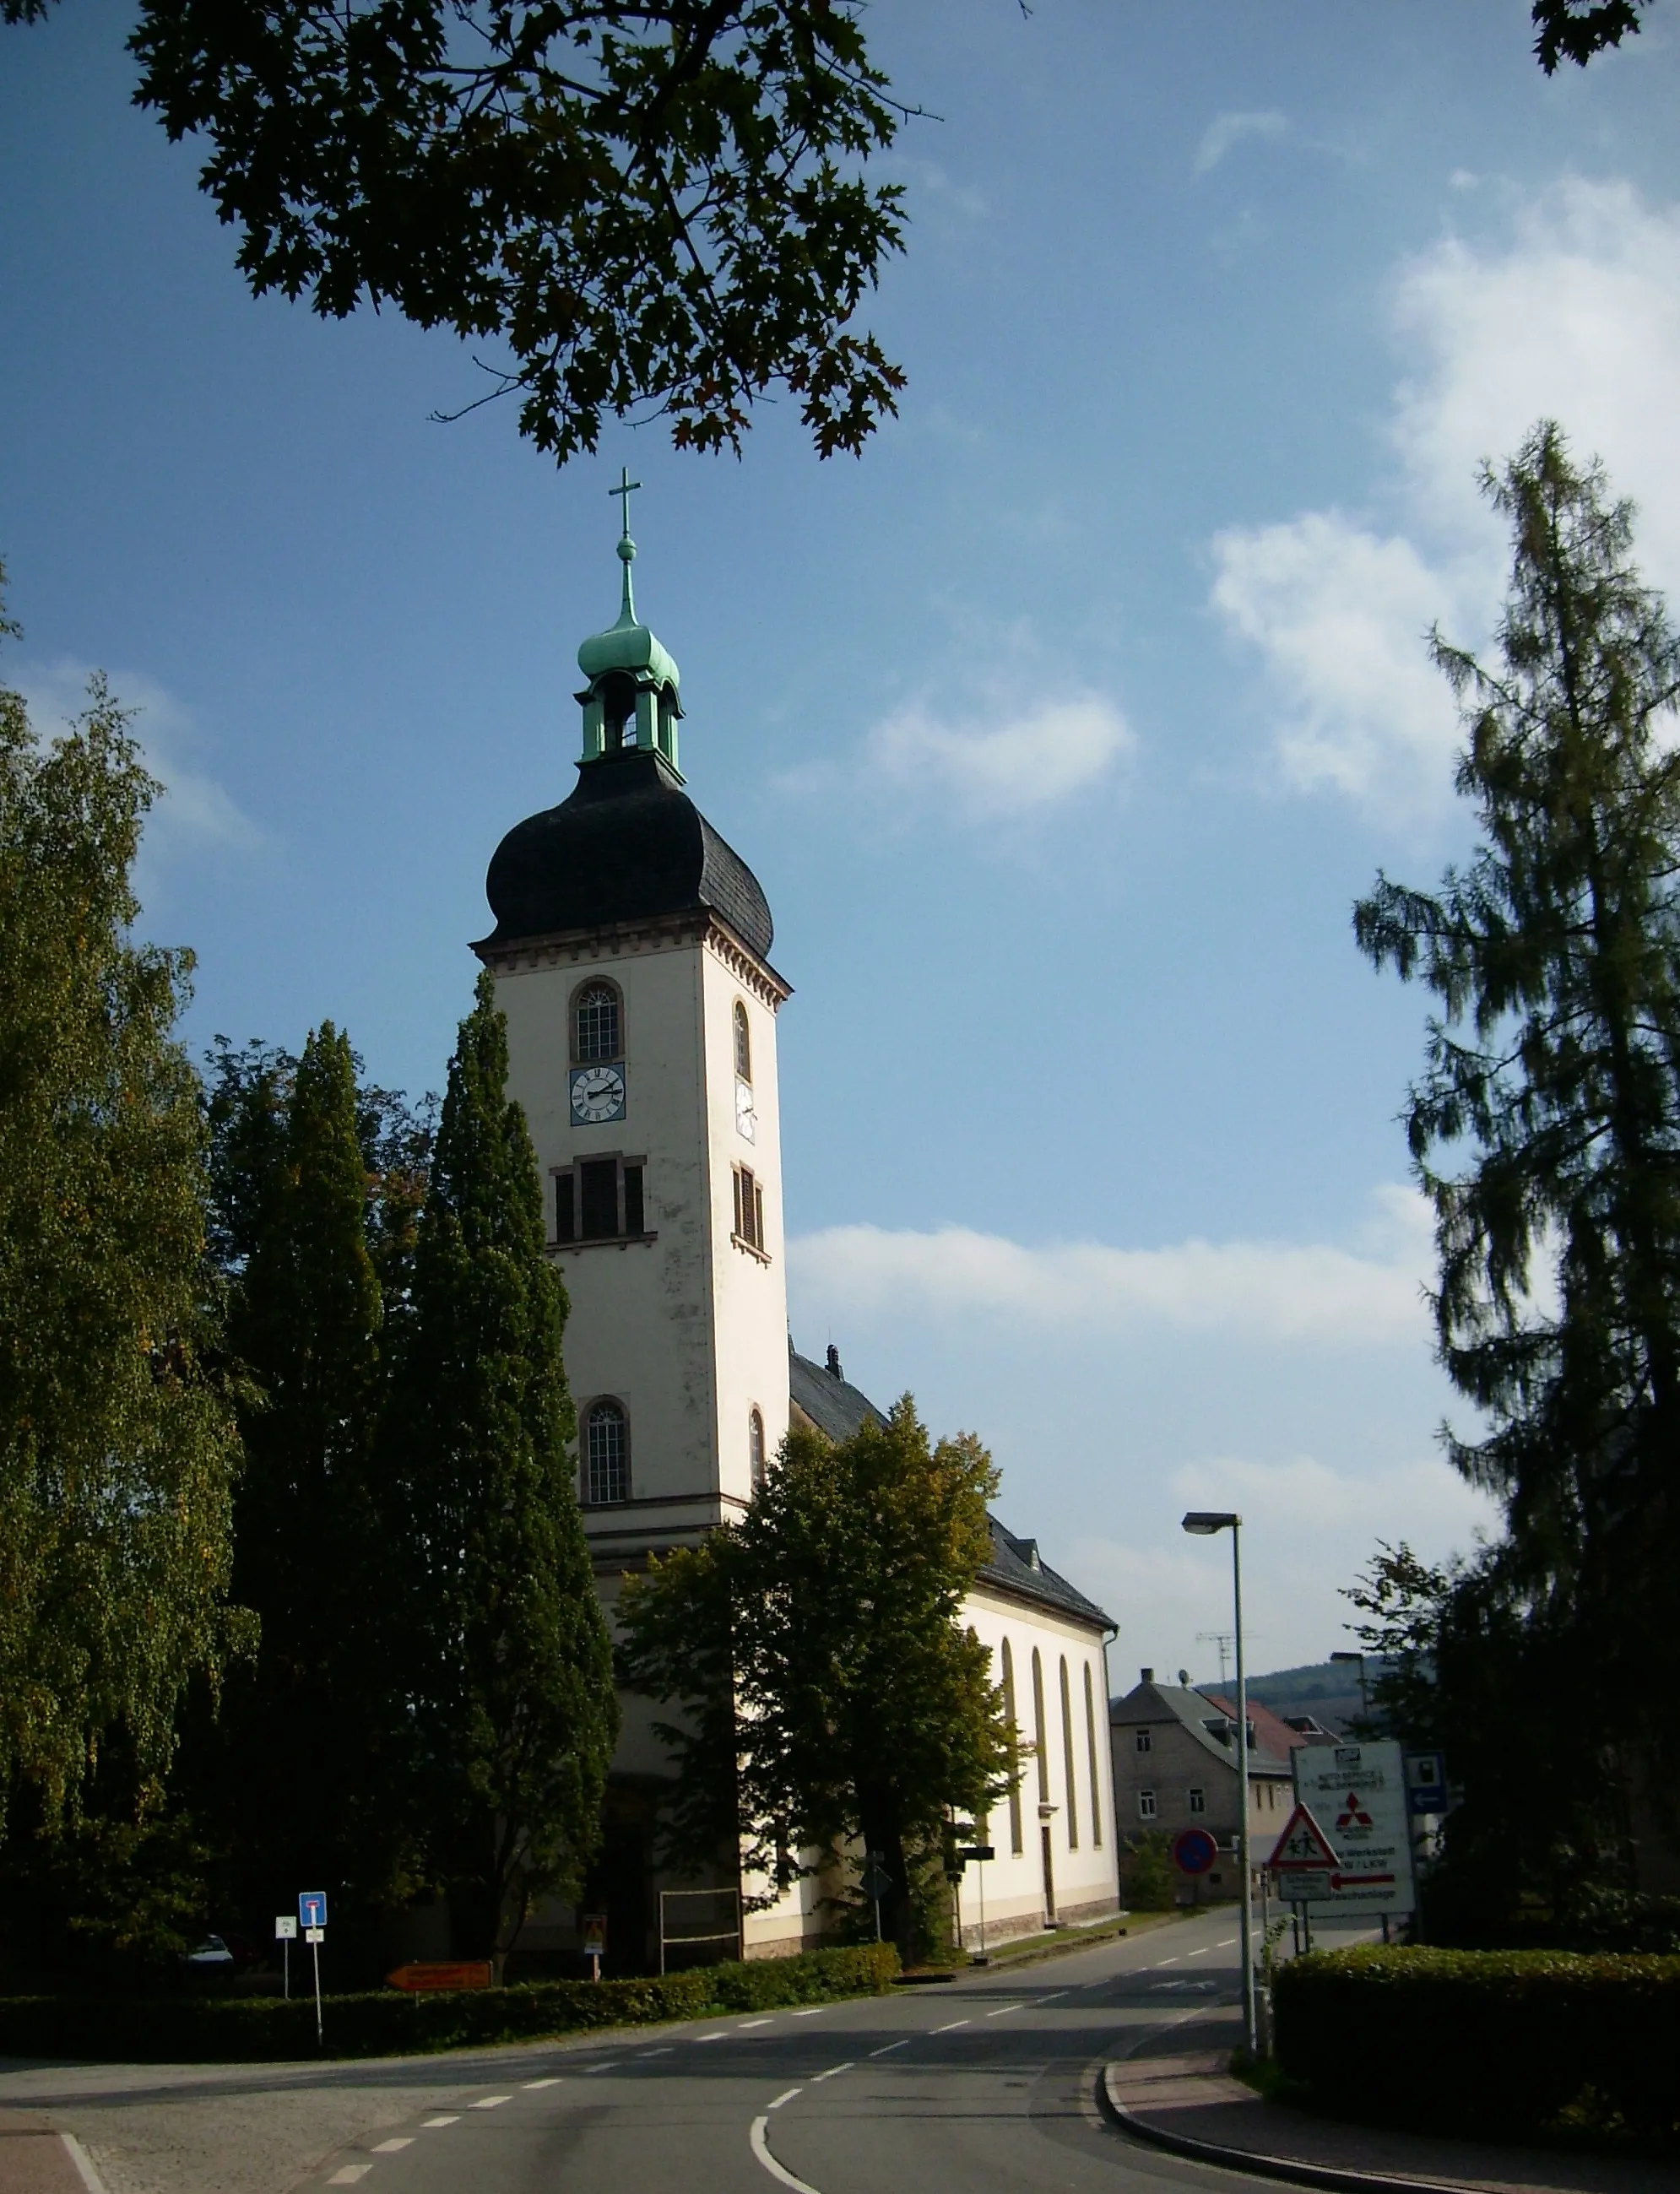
311, 1908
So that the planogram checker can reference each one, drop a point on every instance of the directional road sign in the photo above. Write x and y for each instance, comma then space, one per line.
1426, 1782
1194, 1851
312, 1907
286, 1928
1357, 1795
975, 1852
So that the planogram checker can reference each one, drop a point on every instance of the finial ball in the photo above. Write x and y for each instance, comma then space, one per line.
627, 549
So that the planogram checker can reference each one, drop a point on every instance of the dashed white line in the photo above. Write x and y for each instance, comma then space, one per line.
662, 2051
747, 2024
1203, 1952
390, 2147
348, 2175
454, 2118
761, 2149
786, 2096
1002, 2010
1160, 1962
1050, 1998
952, 2026
553, 2081
598, 2068
809, 2012
1224, 1942
887, 2048
834, 2069
489, 2102
722, 2034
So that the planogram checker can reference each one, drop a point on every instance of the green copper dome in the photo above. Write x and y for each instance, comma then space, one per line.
628, 645
631, 700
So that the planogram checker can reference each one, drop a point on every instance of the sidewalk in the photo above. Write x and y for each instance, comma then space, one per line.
1189, 2103
33, 2157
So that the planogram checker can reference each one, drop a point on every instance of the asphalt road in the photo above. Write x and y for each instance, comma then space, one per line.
983, 2087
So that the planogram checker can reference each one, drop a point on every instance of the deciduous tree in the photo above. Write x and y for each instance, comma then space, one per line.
117, 1444
830, 1693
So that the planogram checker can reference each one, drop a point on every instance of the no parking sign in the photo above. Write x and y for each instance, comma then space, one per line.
1194, 1851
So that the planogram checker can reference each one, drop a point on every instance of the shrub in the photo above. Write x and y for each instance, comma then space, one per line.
1146, 1872
1506, 2042
250, 2028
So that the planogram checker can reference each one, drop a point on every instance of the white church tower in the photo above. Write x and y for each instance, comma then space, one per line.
631, 958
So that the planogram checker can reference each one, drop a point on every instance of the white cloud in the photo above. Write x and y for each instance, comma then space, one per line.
1316, 1292
1003, 760
1572, 313
194, 808
1225, 130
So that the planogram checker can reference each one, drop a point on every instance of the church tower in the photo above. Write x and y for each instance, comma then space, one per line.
631, 957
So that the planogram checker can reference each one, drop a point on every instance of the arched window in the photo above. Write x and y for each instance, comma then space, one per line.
618, 710
607, 1453
597, 1023
755, 1444
1040, 1745
1015, 1737
1067, 1759
743, 1043
1096, 1772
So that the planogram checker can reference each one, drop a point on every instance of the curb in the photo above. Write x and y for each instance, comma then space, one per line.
1257, 2166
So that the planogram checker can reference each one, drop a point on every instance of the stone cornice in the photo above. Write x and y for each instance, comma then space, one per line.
568, 948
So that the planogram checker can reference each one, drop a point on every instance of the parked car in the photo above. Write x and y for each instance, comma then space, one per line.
211, 1955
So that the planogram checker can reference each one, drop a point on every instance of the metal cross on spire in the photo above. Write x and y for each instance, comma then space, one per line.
625, 489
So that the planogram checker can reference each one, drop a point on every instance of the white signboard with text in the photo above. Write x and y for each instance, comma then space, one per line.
1357, 1793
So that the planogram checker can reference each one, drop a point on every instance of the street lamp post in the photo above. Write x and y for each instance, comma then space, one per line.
1204, 1522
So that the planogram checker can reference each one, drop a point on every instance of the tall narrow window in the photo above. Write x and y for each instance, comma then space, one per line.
597, 1031
565, 1210
749, 1209
1040, 1744
636, 1221
1067, 1759
606, 1445
1146, 1805
755, 1445
1095, 1775
599, 1178
743, 1043
1014, 1739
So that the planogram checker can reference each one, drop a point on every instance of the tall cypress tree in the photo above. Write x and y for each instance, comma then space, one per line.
516, 1714
304, 1731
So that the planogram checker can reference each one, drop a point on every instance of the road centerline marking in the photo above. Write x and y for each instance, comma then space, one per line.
952, 2027
902, 2044
348, 2175
759, 2140
1003, 2009
1160, 1962
834, 2069
553, 2081
747, 2024
722, 2034
390, 2147
1050, 1998
453, 2118
785, 2096
663, 2050
489, 2102
809, 2012
1203, 1952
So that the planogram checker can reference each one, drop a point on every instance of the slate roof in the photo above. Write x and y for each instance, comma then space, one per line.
1194, 1710
629, 843
838, 1409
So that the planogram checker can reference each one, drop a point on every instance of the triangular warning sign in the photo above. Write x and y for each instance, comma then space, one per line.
1303, 1843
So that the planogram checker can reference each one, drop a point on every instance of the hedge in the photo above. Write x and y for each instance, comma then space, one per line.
1513, 2042
200, 2029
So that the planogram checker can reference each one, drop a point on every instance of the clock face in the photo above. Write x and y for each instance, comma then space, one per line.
597, 1093
747, 1120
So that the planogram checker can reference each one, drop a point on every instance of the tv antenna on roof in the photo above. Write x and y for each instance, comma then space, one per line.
1224, 1639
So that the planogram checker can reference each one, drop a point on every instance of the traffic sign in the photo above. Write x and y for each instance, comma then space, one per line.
286, 1928
312, 1907
314, 1935
1194, 1851
1426, 1782
1359, 1794
595, 1934
875, 1881
1303, 1845
975, 1852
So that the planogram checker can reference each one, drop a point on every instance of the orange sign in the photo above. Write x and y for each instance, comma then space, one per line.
467, 1973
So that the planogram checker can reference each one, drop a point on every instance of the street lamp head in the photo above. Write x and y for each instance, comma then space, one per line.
1205, 1522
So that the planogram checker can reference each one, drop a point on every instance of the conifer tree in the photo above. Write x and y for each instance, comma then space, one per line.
830, 1693
516, 1714
1546, 1127
118, 1449
305, 1757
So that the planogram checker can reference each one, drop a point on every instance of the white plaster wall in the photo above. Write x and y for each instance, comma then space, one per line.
749, 1296
1085, 1868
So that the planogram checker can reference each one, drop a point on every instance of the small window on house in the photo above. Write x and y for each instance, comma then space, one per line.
1198, 1801
755, 1443
599, 1181
1142, 1739
596, 1023
1146, 1805
743, 1043
607, 1453
564, 1209
749, 1209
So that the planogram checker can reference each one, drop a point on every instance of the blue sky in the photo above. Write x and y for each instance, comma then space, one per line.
1062, 728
